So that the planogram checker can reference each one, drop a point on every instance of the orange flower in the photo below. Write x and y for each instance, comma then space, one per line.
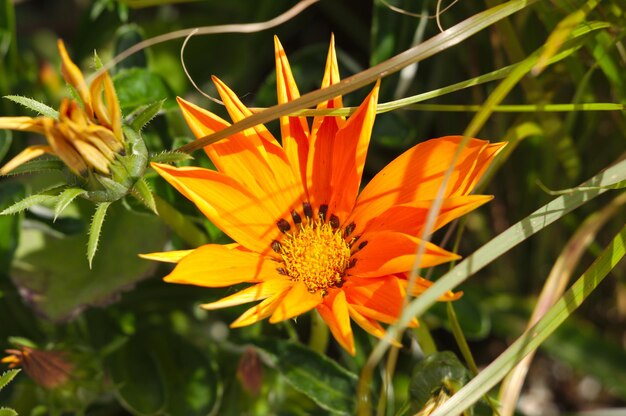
49, 369
304, 237
86, 138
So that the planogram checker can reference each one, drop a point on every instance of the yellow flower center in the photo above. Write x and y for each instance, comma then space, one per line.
315, 254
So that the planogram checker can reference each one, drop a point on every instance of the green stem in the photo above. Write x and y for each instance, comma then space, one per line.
179, 223
319, 333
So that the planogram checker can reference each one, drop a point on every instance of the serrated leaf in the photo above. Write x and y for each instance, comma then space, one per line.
143, 193
94, 230
37, 165
66, 198
28, 202
5, 411
329, 385
7, 376
36, 106
145, 114
170, 157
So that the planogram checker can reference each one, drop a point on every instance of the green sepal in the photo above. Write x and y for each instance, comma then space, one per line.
5, 411
29, 201
7, 376
144, 114
65, 198
36, 106
37, 165
143, 193
94, 230
170, 157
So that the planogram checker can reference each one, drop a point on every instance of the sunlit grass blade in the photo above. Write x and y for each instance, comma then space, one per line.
532, 338
426, 49
553, 289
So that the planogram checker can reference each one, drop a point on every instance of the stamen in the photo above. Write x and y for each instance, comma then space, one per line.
308, 211
296, 217
283, 225
322, 212
334, 221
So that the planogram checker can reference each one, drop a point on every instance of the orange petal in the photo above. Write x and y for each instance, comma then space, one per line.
245, 159
260, 311
109, 114
370, 325
417, 174
421, 285
74, 77
24, 156
247, 220
63, 149
334, 311
251, 294
215, 265
410, 219
350, 149
22, 124
297, 301
377, 298
322, 139
388, 252
294, 130
167, 256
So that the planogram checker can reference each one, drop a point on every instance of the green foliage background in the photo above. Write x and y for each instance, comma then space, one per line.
141, 346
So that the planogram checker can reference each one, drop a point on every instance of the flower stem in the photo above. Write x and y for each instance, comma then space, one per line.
319, 333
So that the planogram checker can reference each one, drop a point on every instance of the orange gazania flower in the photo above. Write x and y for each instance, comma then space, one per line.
85, 137
304, 236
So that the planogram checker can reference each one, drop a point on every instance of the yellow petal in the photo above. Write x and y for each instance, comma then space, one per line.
74, 77
173, 256
215, 265
389, 252
22, 124
24, 156
253, 293
64, 150
335, 313
370, 325
227, 204
108, 114
296, 302
260, 311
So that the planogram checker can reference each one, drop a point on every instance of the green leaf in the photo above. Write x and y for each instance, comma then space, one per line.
9, 225
143, 193
64, 288
66, 198
5, 411
126, 37
440, 371
37, 165
145, 114
7, 376
28, 202
170, 157
138, 381
332, 387
36, 106
138, 87
94, 230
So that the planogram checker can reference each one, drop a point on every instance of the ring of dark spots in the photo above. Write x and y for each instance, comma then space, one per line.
349, 229
276, 246
322, 212
296, 217
283, 225
362, 244
308, 211
334, 221
352, 264
281, 271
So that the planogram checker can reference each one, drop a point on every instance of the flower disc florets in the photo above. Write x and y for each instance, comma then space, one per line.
315, 254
